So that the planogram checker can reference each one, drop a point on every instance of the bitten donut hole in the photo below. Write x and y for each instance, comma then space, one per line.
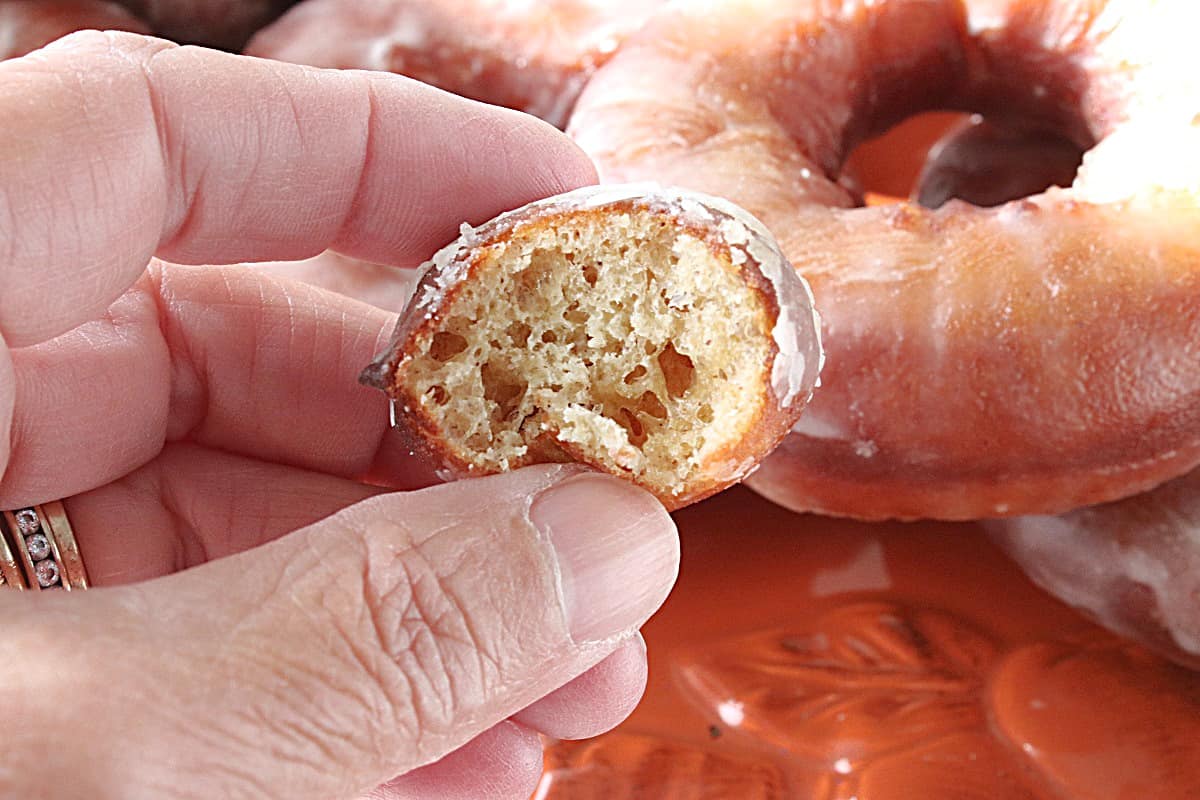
621, 340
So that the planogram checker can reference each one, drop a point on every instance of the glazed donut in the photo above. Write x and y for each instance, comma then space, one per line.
1030, 358
534, 57
656, 335
226, 24
26, 25
1132, 565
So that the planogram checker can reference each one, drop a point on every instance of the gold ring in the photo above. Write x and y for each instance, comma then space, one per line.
39, 550
10, 567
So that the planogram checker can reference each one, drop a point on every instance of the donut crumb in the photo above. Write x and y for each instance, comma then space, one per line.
623, 340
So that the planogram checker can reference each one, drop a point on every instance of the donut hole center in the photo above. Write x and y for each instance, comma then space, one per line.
888, 165
842, 76
935, 157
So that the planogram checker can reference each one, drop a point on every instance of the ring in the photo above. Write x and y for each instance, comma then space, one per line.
38, 550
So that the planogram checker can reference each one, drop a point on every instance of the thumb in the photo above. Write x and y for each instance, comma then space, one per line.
364, 646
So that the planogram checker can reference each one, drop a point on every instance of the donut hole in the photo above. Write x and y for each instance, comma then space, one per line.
935, 157
864, 111
625, 341
889, 165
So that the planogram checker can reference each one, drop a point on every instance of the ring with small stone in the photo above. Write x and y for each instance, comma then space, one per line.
38, 550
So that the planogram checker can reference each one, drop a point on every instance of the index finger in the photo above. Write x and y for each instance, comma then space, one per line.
122, 146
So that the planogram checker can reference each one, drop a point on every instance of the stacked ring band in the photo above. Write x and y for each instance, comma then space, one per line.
38, 550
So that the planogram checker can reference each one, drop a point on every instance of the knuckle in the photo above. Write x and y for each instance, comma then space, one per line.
85, 39
369, 646
114, 44
425, 630
414, 635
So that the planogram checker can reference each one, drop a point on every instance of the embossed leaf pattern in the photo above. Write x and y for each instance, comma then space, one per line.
1068, 706
879, 701
647, 768
968, 765
866, 680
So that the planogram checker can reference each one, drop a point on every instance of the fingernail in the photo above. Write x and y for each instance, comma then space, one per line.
617, 548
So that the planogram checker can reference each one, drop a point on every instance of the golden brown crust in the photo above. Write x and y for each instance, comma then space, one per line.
782, 397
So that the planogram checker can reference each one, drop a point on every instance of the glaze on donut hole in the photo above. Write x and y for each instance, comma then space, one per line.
1030, 358
26, 25
654, 334
531, 56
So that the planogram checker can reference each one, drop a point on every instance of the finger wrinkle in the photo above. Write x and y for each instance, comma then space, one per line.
188, 547
192, 548
319, 588
174, 157
8, 432
191, 185
279, 173
80, 239
8, 230
157, 108
409, 608
365, 164
261, 388
188, 391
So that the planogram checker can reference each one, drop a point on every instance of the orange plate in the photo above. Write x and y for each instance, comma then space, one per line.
803, 657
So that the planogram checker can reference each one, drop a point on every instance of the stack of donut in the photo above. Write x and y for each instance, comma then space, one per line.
1017, 357
531, 56
1032, 351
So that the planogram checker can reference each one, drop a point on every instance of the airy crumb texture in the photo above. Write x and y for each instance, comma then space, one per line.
654, 333
623, 340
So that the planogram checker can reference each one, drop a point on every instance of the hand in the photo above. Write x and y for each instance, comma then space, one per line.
283, 629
